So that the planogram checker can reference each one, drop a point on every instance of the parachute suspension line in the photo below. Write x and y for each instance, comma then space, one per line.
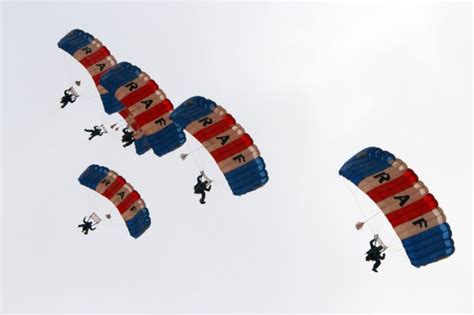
395, 246
108, 212
398, 253
360, 225
68, 69
86, 97
68, 66
117, 125
183, 156
66, 76
89, 201
354, 196
196, 160
91, 205
199, 160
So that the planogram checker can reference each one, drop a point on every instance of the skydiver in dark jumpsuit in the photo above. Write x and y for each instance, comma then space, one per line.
68, 97
201, 187
86, 226
375, 254
127, 137
94, 132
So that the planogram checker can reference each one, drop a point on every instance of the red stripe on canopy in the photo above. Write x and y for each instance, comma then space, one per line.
114, 187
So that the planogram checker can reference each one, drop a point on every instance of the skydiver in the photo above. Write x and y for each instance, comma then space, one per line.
69, 97
95, 132
201, 187
127, 137
375, 254
86, 226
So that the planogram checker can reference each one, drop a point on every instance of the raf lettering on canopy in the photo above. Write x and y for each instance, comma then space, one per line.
121, 194
403, 199
205, 121
420, 223
101, 66
131, 86
239, 158
223, 139
87, 50
147, 103
160, 121
382, 177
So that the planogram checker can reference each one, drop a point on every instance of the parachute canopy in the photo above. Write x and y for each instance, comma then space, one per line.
133, 90
406, 202
125, 198
228, 143
96, 58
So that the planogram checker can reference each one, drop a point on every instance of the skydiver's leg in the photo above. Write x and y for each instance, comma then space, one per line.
203, 196
64, 101
83, 228
376, 265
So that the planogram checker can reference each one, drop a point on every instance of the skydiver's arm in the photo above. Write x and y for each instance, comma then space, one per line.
372, 243
92, 228
199, 178
382, 257
208, 188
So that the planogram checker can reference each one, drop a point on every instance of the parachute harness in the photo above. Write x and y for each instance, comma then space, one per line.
380, 242
209, 181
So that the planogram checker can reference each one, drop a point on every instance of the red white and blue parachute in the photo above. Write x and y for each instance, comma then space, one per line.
227, 142
125, 198
133, 90
97, 60
406, 202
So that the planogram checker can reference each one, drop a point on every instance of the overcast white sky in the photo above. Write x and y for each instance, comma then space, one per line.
312, 83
